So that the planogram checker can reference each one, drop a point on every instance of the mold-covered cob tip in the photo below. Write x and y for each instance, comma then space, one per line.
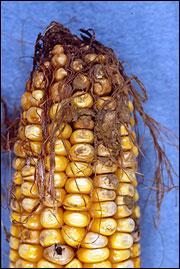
74, 197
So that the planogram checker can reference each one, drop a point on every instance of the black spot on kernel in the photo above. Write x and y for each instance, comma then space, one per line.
58, 249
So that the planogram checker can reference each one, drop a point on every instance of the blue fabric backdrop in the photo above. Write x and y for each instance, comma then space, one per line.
144, 33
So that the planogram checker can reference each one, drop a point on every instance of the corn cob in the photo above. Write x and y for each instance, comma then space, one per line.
74, 186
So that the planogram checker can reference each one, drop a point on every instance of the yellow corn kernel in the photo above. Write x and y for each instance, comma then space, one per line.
28, 170
103, 151
38, 79
15, 205
60, 147
36, 147
33, 160
46, 64
15, 230
11, 265
14, 242
94, 240
137, 262
125, 264
20, 263
124, 130
78, 169
17, 178
46, 264
15, 217
104, 264
34, 115
83, 100
29, 178
49, 237
92, 255
19, 149
82, 152
119, 255
126, 143
127, 160
77, 65
126, 175
75, 263
57, 49
76, 219
84, 122
13, 255
125, 189
120, 240
32, 253
30, 236
60, 163
18, 163
59, 60
32, 222
103, 209
100, 195
81, 82
125, 225
135, 250
21, 132
90, 57
106, 181
106, 226
123, 211
25, 100
82, 136
29, 204
57, 91
136, 196
106, 103
55, 113
59, 254
132, 121
60, 194
52, 219
136, 212
131, 107
135, 151
73, 235
16, 192
94, 57
133, 135
124, 200
33, 132
60, 73
77, 202
23, 117
64, 130
36, 97
134, 182
29, 189
59, 179
79, 185
101, 167
102, 87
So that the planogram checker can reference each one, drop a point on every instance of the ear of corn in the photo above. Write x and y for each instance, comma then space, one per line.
73, 196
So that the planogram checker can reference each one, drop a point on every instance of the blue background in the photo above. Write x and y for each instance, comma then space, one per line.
144, 33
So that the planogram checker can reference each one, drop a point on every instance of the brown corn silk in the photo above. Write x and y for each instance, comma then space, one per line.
106, 133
